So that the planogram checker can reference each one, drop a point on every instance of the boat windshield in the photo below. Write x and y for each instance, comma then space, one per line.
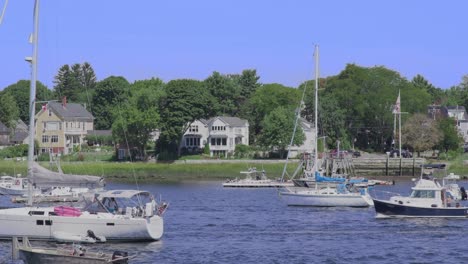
423, 194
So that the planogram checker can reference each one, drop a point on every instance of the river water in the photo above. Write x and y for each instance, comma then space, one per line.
208, 224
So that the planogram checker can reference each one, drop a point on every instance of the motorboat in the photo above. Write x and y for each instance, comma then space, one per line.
15, 186
427, 199
71, 254
256, 179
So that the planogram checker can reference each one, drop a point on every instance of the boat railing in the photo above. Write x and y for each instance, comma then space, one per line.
381, 194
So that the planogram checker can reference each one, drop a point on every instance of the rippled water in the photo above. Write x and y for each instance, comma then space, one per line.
208, 224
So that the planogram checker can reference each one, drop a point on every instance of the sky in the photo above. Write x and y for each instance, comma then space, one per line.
191, 39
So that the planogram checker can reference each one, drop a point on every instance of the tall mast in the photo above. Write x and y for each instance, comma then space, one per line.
32, 98
316, 104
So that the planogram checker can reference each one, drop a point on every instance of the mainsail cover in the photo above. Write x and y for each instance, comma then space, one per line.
43, 177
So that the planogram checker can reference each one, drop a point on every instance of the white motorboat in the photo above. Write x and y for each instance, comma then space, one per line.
15, 186
256, 179
119, 215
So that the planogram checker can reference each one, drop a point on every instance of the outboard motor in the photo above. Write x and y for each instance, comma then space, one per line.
120, 257
91, 234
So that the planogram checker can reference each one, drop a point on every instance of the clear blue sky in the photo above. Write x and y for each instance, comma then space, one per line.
191, 39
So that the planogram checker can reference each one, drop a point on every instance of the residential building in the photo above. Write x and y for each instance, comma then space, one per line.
221, 133
4, 135
458, 113
62, 126
309, 141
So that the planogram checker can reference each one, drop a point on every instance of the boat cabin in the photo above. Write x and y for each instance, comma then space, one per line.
124, 202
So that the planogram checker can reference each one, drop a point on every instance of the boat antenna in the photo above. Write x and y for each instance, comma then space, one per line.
32, 97
3, 11
316, 55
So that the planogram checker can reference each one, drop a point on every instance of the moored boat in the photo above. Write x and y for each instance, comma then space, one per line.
256, 179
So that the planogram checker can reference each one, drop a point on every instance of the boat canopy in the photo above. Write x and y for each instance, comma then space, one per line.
43, 177
320, 178
123, 193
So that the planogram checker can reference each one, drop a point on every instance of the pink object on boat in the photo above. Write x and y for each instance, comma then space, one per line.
67, 211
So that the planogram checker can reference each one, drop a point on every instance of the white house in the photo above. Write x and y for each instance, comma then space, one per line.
309, 141
222, 133
456, 112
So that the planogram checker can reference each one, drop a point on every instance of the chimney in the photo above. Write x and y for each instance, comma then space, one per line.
64, 102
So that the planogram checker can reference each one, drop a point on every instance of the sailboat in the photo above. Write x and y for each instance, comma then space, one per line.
128, 215
320, 190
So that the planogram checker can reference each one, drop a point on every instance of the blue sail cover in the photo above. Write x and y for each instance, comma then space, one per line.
358, 180
320, 178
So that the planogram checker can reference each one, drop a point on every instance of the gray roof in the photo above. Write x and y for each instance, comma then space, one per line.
21, 126
232, 121
4, 129
19, 136
71, 111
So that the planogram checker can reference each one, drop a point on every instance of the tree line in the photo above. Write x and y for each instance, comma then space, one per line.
355, 107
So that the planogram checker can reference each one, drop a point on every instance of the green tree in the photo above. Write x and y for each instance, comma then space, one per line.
110, 94
139, 117
421, 133
437, 95
451, 139
9, 112
20, 92
184, 101
278, 127
225, 91
67, 82
265, 99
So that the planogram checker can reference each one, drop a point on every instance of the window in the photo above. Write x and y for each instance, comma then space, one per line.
45, 139
50, 112
193, 129
218, 141
54, 139
66, 125
83, 126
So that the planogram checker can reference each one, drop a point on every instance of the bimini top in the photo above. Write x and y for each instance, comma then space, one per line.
424, 184
122, 193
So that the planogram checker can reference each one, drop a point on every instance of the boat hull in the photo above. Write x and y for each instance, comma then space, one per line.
33, 257
325, 200
385, 209
19, 222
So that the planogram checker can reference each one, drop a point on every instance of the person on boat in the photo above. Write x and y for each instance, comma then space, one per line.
463, 193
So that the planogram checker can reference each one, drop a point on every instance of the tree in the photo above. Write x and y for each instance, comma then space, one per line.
421, 133
451, 139
265, 99
184, 101
9, 112
436, 93
139, 117
278, 127
111, 93
67, 82
225, 91
20, 92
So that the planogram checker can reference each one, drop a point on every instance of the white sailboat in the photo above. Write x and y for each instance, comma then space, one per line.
116, 215
324, 191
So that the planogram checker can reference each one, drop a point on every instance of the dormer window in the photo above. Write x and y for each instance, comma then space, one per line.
50, 112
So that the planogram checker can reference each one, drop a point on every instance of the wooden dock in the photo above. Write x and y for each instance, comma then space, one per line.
388, 166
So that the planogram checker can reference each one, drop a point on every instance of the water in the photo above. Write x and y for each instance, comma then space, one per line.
208, 224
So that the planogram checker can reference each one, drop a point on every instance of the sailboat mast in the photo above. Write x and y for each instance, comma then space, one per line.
32, 98
316, 105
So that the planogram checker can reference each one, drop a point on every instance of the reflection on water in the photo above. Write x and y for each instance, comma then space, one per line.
208, 224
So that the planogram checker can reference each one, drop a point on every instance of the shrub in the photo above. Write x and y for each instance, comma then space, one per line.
241, 151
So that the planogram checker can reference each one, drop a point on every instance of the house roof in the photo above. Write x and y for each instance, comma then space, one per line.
71, 111
230, 120
19, 136
21, 126
4, 129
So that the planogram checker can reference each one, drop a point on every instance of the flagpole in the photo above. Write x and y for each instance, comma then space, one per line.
399, 128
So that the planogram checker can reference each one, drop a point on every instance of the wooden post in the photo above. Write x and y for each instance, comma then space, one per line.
386, 166
14, 248
401, 160
414, 163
